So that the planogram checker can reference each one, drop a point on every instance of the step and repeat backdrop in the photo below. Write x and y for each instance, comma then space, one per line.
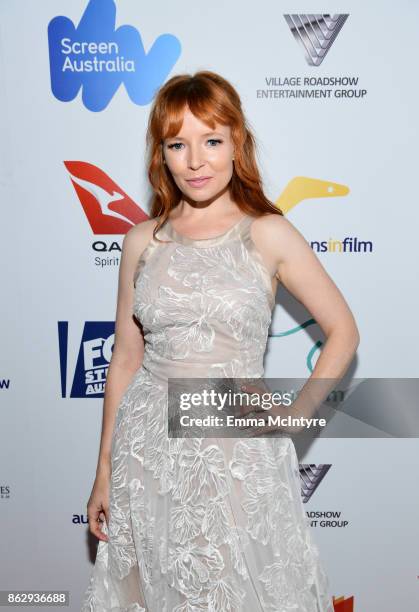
331, 99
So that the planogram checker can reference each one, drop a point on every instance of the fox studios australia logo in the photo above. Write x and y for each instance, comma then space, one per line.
315, 34
99, 58
94, 352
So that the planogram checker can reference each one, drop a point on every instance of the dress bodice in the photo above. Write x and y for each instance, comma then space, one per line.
205, 305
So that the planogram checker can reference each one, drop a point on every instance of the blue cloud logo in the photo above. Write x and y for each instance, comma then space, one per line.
99, 58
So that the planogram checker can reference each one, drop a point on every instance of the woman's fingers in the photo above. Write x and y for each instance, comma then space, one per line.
252, 388
106, 513
262, 412
96, 517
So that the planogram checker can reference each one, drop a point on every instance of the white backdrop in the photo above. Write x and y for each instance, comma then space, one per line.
66, 147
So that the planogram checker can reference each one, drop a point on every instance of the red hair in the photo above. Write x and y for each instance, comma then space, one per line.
211, 98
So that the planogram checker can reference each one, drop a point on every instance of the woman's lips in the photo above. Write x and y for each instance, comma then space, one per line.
199, 182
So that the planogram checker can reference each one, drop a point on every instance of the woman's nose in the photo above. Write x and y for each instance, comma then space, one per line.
195, 159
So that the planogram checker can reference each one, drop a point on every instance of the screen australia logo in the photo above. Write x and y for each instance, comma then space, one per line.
315, 34
98, 58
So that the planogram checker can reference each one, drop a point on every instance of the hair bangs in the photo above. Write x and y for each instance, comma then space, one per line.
201, 101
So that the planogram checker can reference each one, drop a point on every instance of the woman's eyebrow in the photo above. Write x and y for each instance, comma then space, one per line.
206, 134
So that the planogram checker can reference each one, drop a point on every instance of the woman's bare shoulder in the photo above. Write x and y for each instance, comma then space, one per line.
139, 235
270, 226
143, 228
277, 234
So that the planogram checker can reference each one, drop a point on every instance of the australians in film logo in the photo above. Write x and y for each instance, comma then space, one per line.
349, 244
98, 58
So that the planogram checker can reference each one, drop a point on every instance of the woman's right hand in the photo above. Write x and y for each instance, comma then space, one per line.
98, 505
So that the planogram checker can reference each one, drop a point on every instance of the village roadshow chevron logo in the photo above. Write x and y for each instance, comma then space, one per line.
311, 476
315, 34
98, 58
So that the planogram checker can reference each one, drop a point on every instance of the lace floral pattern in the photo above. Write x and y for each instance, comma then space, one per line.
198, 524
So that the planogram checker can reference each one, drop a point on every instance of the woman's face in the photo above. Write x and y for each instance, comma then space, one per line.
198, 152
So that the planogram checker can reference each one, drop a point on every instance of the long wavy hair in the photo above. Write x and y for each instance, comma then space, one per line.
211, 98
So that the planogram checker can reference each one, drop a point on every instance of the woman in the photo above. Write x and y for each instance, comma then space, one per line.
203, 524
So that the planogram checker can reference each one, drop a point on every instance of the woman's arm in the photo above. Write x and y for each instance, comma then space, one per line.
302, 274
128, 350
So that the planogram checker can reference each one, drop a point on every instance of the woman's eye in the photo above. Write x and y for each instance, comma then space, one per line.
177, 145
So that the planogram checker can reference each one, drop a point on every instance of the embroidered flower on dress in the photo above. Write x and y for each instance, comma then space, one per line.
192, 566
201, 473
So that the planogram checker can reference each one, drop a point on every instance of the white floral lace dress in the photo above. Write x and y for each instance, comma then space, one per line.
202, 524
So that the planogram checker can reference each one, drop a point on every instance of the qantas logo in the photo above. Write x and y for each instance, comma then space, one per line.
109, 210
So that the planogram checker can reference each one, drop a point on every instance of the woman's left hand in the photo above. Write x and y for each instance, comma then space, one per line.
264, 413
